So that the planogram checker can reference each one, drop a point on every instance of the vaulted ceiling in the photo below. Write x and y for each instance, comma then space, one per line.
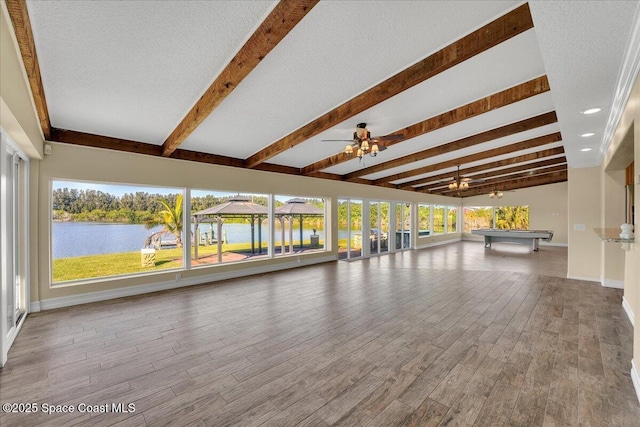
494, 88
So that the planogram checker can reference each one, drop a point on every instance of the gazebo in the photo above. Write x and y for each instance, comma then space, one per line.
295, 208
236, 207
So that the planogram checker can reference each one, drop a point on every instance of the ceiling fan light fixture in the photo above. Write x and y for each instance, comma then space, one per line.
458, 183
363, 144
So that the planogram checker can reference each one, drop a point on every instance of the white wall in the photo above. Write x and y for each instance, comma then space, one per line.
584, 216
613, 214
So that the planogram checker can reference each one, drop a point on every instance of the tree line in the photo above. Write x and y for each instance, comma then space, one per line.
506, 218
136, 208
93, 205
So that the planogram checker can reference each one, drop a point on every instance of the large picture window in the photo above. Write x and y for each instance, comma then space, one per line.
300, 224
512, 217
502, 217
478, 217
98, 230
228, 227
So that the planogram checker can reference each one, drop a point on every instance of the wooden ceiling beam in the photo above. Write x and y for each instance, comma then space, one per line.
506, 149
506, 171
491, 165
213, 159
521, 183
484, 105
117, 144
325, 175
491, 183
270, 167
490, 35
282, 19
22, 27
501, 184
106, 142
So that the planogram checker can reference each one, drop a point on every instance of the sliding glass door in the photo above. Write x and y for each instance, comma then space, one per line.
372, 227
403, 226
379, 227
13, 247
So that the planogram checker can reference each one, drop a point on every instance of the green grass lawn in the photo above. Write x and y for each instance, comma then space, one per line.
92, 266
87, 267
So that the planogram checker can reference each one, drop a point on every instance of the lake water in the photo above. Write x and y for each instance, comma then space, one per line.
71, 239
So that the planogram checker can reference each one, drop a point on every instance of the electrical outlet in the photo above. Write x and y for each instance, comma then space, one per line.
178, 277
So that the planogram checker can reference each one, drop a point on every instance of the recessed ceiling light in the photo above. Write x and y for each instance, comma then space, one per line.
592, 111
587, 135
586, 149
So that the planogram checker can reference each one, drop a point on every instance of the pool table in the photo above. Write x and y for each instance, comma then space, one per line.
527, 237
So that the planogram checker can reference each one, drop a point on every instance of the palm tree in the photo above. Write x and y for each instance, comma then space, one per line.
170, 218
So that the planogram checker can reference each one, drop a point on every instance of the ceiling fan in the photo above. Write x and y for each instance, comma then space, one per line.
497, 194
459, 183
363, 143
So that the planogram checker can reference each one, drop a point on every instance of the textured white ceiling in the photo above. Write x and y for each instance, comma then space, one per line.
583, 45
339, 50
132, 69
508, 64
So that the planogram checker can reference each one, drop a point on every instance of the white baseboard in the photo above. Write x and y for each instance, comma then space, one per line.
34, 307
628, 310
444, 242
90, 297
635, 377
610, 283
586, 279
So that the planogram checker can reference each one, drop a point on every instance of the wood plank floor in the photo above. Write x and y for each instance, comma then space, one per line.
416, 338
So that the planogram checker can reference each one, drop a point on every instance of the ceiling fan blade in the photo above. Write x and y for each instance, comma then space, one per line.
337, 140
